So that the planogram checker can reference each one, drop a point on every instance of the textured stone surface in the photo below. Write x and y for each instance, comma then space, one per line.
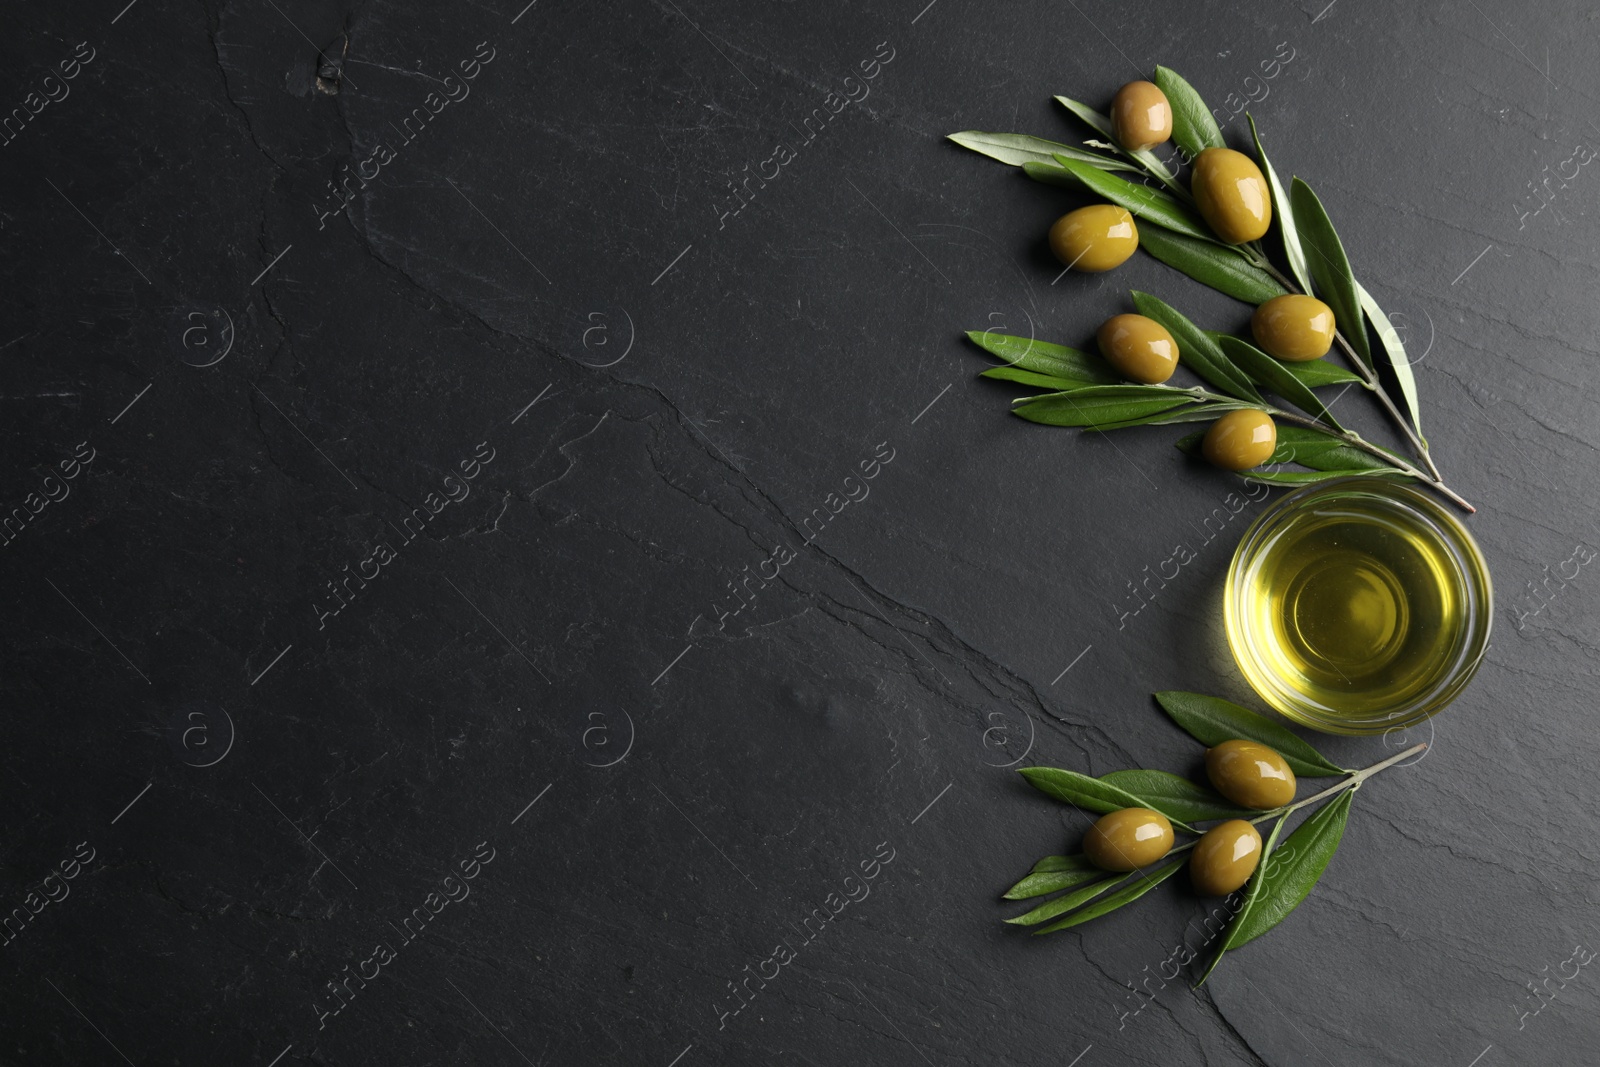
270, 376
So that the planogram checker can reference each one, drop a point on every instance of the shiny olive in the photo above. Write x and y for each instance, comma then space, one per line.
1232, 195
1240, 440
1094, 238
1140, 116
1294, 327
1225, 858
1128, 839
1250, 774
1139, 349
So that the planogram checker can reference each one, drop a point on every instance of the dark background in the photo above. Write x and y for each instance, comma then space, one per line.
266, 800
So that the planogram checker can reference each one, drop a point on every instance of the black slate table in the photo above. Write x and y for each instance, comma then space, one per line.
509, 561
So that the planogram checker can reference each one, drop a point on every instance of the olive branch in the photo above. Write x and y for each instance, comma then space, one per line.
1080, 389
1285, 874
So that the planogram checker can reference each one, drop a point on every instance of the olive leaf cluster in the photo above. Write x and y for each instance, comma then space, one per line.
1283, 878
1079, 389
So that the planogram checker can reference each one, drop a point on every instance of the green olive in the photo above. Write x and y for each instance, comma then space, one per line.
1141, 118
1225, 858
1232, 195
1128, 839
1139, 349
1294, 327
1250, 774
1094, 238
1240, 440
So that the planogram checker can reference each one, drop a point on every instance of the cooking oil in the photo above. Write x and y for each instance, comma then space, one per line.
1356, 607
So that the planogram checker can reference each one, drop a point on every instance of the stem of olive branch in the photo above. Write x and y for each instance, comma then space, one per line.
1352, 782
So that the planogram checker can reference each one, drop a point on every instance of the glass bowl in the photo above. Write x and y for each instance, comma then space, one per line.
1358, 606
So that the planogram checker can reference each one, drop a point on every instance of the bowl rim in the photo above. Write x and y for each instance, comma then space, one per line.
1471, 566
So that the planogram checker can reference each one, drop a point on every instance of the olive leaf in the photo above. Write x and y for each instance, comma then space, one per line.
1273, 375
1285, 215
1098, 406
1151, 205
1032, 379
1100, 123
1295, 478
1045, 358
1042, 885
1174, 796
1079, 790
1053, 874
1197, 351
1252, 893
1050, 909
1019, 148
1052, 174
1090, 794
1222, 267
1135, 889
1212, 720
1330, 267
1395, 349
1321, 450
1189, 445
1292, 870
1192, 125
1316, 373
1205, 412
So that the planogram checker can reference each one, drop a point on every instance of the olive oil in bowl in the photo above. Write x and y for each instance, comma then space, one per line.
1357, 606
